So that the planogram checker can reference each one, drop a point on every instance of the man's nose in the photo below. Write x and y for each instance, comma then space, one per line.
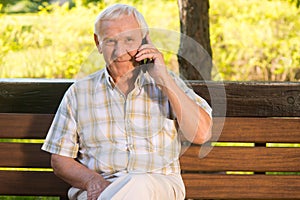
120, 49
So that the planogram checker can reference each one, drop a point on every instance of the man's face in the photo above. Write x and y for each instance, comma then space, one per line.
120, 39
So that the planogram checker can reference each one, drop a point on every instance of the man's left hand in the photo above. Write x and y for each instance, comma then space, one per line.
156, 68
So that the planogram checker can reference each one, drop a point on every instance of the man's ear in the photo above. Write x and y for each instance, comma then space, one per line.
97, 43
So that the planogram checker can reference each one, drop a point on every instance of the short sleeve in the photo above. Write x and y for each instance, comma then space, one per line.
62, 136
191, 94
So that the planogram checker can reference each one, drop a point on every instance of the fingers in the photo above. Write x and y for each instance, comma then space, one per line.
95, 189
148, 47
147, 51
151, 56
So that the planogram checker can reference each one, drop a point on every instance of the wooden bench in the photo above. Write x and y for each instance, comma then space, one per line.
245, 162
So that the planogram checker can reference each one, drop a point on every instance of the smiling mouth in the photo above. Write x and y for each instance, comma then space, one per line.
121, 60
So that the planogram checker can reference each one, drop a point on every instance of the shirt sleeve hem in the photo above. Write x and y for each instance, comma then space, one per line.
59, 151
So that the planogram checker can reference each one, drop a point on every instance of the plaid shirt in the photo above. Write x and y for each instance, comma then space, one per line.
113, 134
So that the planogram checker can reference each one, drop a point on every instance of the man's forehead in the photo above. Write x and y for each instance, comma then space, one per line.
133, 32
123, 25
119, 28
125, 22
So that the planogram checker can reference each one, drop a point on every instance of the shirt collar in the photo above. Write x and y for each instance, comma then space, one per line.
109, 80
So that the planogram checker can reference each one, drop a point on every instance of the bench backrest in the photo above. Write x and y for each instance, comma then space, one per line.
256, 156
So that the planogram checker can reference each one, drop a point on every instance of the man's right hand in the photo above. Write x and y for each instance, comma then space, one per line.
96, 186
78, 175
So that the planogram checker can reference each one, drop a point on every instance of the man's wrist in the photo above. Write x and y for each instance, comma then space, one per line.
165, 81
91, 179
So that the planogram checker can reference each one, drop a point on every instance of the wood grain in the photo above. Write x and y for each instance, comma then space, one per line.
216, 186
32, 183
231, 129
24, 126
31, 97
254, 159
257, 130
250, 99
23, 155
259, 159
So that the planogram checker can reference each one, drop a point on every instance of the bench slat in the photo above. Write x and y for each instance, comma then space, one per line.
243, 99
32, 183
33, 96
252, 99
258, 130
23, 155
258, 159
219, 159
200, 185
216, 186
25, 126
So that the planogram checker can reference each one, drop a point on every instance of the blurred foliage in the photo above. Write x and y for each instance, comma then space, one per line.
45, 44
21, 6
251, 40
297, 2
256, 40
57, 42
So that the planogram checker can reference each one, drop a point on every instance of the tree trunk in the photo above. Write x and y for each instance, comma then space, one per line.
194, 55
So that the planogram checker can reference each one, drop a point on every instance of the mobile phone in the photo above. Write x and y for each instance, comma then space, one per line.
144, 41
146, 60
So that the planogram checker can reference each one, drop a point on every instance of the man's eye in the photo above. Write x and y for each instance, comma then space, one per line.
129, 39
109, 42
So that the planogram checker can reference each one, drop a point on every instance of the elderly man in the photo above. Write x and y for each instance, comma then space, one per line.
116, 133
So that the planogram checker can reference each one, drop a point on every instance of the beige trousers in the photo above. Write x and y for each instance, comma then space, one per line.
137, 187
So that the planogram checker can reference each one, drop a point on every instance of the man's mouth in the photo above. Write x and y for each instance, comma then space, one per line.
121, 61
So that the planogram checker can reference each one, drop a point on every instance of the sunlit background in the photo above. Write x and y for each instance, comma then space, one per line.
251, 39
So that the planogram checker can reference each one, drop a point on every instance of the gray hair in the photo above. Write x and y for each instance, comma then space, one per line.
116, 11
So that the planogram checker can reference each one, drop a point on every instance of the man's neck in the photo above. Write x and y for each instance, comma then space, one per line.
126, 83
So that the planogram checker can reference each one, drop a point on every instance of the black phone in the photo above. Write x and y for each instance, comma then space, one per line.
144, 41
145, 61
